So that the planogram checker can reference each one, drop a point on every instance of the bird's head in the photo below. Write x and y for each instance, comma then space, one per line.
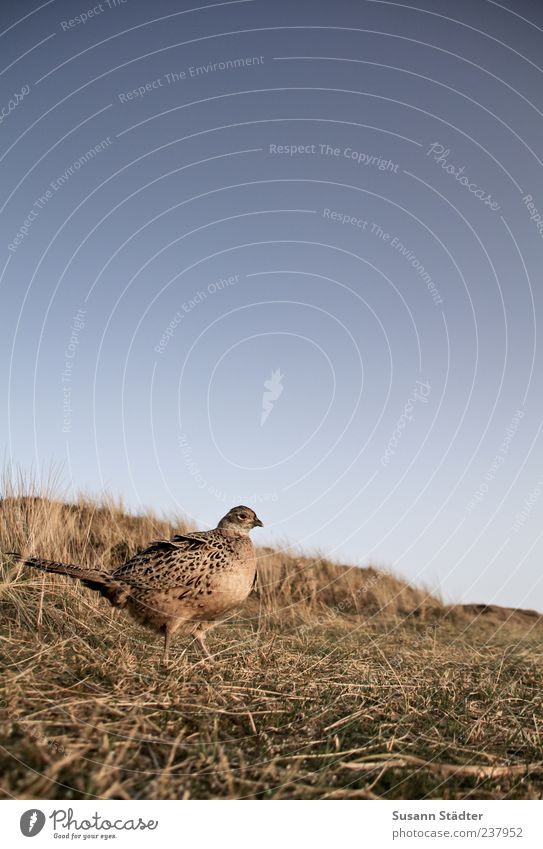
241, 520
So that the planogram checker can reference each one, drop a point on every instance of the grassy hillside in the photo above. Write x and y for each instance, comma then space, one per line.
332, 682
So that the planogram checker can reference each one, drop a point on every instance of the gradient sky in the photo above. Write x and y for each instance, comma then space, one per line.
330, 221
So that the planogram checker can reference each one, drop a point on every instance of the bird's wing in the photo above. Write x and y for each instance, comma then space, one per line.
179, 562
197, 539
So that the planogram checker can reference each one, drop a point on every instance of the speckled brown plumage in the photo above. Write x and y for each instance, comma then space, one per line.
192, 579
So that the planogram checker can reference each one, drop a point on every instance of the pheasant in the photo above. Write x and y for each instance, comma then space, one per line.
191, 579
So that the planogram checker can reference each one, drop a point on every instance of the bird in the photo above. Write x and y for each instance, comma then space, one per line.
189, 580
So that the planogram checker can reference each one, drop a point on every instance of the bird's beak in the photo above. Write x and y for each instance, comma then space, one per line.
257, 523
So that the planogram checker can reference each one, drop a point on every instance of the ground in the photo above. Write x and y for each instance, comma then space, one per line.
307, 697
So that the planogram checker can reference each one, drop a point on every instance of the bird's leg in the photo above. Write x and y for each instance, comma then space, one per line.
167, 641
199, 634
170, 628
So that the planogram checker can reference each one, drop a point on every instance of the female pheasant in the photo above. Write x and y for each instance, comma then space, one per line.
191, 579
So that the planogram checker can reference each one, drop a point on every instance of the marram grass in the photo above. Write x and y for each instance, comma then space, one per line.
333, 682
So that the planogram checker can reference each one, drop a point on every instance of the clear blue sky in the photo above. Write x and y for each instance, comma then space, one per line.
284, 254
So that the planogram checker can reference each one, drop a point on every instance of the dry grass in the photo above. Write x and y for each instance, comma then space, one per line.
332, 683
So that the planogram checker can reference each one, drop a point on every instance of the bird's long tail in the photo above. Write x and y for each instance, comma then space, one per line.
95, 579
